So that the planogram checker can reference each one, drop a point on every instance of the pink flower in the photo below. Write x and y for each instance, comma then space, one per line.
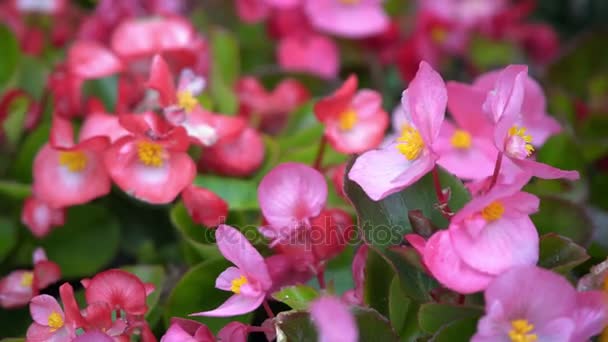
75, 168
152, 164
334, 321
49, 321
309, 53
491, 234
466, 147
93, 336
90, 59
290, 196
119, 289
39, 218
466, 13
348, 18
354, 120
288, 267
186, 330
248, 279
204, 206
355, 296
100, 124
49, 7
394, 167
528, 303
252, 11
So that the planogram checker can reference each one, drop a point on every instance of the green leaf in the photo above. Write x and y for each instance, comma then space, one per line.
154, 274
415, 282
433, 316
8, 237
373, 326
377, 282
198, 237
32, 76
403, 313
301, 118
14, 322
295, 326
563, 152
86, 243
240, 194
487, 53
560, 254
271, 158
564, 218
297, 297
21, 169
105, 89
13, 125
10, 55
225, 69
458, 331
11, 339
196, 292
14, 190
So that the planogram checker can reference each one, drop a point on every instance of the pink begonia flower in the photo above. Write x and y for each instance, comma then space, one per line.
348, 18
355, 296
311, 53
394, 167
204, 206
40, 218
49, 321
290, 195
491, 234
334, 321
76, 168
17, 288
465, 147
249, 279
93, 336
288, 269
102, 124
152, 164
185, 330
283, 3
233, 332
90, 59
236, 157
181, 106
252, 11
50, 7
528, 303
467, 12
354, 120
504, 105
119, 289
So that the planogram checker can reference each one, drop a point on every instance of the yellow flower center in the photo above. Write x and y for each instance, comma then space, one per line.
150, 154
348, 119
461, 139
237, 283
75, 161
493, 211
521, 331
521, 132
55, 321
27, 279
186, 100
410, 143
438, 35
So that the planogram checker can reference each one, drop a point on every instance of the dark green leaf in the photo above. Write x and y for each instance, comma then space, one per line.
560, 254
8, 237
196, 292
105, 89
86, 243
295, 326
225, 69
14, 322
297, 297
377, 282
240, 194
403, 313
198, 237
10, 55
564, 218
458, 331
373, 326
434, 316
21, 169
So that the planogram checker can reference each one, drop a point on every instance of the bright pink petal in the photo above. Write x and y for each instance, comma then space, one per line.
291, 194
224, 280
314, 54
13, 291
204, 206
417, 241
446, 266
330, 107
119, 289
252, 11
93, 336
39, 218
176, 333
234, 332
334, 321
239, 157
466, 106
62, 133
357, 20
427, 99
235, 305
161, 80
102, 124
45, 274
42, 333
545, 171
42, 306
90, 59
591, 314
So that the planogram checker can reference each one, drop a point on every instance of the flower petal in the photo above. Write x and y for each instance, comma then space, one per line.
427, 98
334, 321
235, 305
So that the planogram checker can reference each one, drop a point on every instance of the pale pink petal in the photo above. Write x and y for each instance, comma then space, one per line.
161, 80
475, 162
545, 171
558, 330
42, 306
224, 280
314, 54
102, 124
175, 333
334, 321
234, 332
90, 59
591, 314
357, 20
42, 333
235, 305
465, 103
93, 336
521, 203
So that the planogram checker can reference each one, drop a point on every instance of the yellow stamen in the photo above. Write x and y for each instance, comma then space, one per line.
237, 283
150, 154
461, 139
348, 119
521, 331
410, 143
439, 35
55, 321
493, 211
27, 279
521, 132
74, 161
186, 100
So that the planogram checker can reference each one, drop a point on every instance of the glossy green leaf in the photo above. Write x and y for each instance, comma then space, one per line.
457, 331
560, 254
154, 274
377, 282
196, 292
240, 194
8, 237
105, 89
301, 118
21, 170
564, 218
295, 326
297, 297
10, 55
403, 313
87, 242
433, 316
198, 237
225, 70
373, 326
13, 125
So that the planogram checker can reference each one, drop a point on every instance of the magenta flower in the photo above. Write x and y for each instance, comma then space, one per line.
528, 303
504, 105
40, 218
248, 279
334, 321
311, 53
411, 155
463, 12
348, 18
49, 321
355, 296
465, 146
99, 124
491, 234
187, 330
290, 196
204, 206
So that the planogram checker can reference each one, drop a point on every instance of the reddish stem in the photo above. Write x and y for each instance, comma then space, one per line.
443, 203
320, 153
268, 309
321, 279
496, 171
